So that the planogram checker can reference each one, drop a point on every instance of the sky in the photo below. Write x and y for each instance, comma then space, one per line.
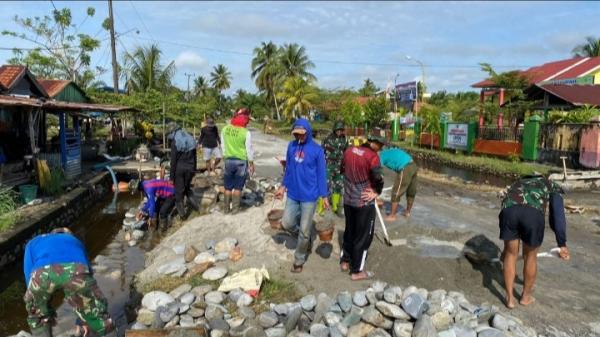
347, 41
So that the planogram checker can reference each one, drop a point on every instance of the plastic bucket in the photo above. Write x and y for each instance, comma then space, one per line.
28, 193
274, 216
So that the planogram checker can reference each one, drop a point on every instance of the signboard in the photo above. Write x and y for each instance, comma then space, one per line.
584, 80
457, 136
406, 92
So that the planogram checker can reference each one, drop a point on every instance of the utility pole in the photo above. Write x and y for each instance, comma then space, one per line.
189, 95
113, 48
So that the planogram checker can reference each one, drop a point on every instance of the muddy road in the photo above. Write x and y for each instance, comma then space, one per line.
450, 242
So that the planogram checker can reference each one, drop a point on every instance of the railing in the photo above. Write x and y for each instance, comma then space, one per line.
502, 134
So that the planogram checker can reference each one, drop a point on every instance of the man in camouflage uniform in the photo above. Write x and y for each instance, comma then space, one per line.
55, 262
335, 144
522, 219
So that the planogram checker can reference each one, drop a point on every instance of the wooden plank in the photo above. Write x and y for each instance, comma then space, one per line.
163, 332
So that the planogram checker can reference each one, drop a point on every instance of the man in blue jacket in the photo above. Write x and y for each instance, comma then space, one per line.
305, 180
58, 261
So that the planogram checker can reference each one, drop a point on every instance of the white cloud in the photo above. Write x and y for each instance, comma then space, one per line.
190, 60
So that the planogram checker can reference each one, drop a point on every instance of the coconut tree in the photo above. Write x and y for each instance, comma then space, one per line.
200, 86
220, 78
266, 67
143, 70
295, 62
298, 96
589, 49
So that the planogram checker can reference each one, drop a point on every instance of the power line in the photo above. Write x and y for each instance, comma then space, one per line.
140, 18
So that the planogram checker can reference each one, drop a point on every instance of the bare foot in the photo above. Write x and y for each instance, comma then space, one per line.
345, 266
406, 214
390, 218
510, 303
527, 300
363, 275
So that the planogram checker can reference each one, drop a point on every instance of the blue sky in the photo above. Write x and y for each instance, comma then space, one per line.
347, 41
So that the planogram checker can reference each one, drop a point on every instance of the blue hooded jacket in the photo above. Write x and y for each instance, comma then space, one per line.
52, 249
305, 171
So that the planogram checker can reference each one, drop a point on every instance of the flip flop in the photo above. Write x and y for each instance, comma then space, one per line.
369, 276
296, 269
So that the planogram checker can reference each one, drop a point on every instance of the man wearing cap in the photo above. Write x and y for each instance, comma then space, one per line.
183, 167
236, 141
211, 143
363, 182
305, 180
57, 262
522, 219
406, 179
335, 144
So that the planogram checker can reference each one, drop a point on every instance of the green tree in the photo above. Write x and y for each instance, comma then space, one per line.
352, 113
298, 97
143, 70
220, 78
368, 89
589, 49
376, 111
295, 63
61, 51
430, 115
266, 67
257, 103
514, 82
201, 86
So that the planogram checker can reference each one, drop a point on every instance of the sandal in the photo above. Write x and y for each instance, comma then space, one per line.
368, 275
296, 269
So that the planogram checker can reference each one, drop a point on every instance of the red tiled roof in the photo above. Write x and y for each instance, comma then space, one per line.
53, 87
575, 94
580, 70
9, 74
570, 68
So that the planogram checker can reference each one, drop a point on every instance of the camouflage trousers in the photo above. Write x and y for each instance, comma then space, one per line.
81, 292
335, 179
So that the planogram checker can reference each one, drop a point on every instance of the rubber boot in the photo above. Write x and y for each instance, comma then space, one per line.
192, 201
335, 202
180, 210
235, 204
226, 204
320, 208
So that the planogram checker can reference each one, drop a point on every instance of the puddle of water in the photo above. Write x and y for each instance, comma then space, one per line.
464, 174
99, 233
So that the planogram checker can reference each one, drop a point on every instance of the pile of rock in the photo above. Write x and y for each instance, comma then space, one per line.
189, 259
379, 311
132, 227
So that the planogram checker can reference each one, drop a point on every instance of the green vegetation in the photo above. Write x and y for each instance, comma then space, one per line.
169, 283
8, 208
579, 115
589, 49
484, 164
54, 185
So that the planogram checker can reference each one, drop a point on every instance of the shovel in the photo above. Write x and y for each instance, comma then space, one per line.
385, 233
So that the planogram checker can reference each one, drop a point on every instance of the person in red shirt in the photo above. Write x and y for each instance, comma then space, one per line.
363, 182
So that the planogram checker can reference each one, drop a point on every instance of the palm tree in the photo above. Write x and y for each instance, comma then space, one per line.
589, 49
200, 86
298, 96
144, 71
368, 89
220, 78
266, 67
295, 62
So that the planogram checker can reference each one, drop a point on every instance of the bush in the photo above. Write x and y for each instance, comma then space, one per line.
8, 208
54, 185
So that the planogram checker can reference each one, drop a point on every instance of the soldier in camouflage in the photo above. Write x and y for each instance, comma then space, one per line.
334, 145
55, 262
523, 219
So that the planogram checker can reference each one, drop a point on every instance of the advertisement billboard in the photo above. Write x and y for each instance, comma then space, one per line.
457, 136
406, 92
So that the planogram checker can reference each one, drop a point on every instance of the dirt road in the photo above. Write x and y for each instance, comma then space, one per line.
446, 219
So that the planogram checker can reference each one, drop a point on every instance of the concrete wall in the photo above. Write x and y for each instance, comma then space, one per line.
497, 147
63, 212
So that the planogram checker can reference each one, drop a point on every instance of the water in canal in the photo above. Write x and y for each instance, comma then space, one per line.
102, 235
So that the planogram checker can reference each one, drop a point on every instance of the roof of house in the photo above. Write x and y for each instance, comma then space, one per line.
51, 105
53, 87
10, 75
575, 94
563, 69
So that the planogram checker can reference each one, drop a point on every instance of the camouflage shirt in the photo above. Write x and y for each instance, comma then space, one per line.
533, 192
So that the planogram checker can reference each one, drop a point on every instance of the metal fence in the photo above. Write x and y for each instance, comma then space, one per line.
502, 134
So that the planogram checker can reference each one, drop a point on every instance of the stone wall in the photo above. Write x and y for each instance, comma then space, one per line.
62, 212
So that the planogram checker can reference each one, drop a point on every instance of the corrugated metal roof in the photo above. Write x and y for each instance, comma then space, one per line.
581, 69
53, 87
575, 94
19, 101
53, 105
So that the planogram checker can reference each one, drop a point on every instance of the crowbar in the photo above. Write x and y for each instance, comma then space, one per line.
385, 233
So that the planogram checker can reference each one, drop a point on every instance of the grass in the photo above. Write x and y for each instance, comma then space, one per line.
492, 165
8, 208
168, 283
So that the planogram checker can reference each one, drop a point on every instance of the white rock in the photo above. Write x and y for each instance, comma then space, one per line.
391, 310
214, 273
181, 290
145, 316
187, 298
244, 300
215, 297
204, 257
225, 245
132, 243
402, 329
179, 249
137, 234
154, 299
186, 321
